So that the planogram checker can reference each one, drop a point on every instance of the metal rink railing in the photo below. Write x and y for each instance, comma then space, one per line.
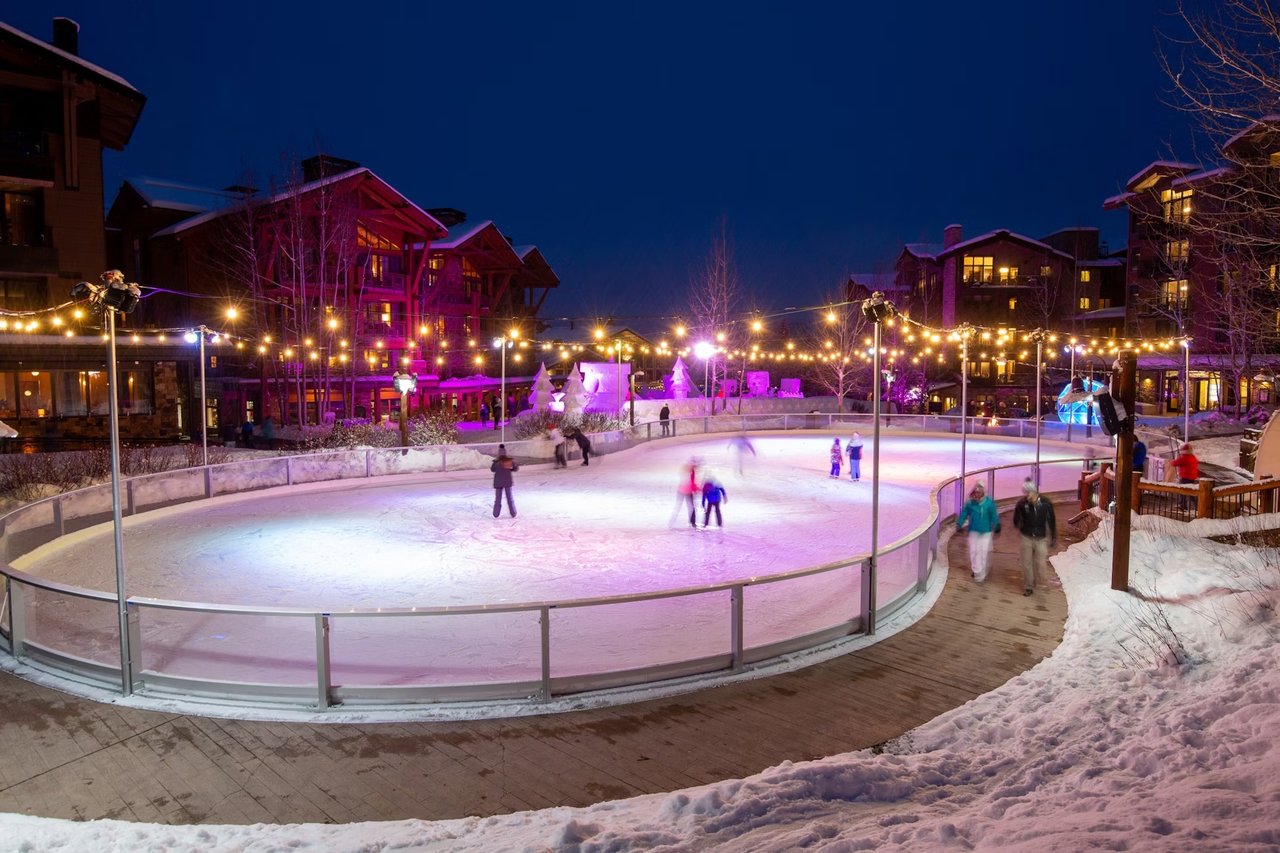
317, 658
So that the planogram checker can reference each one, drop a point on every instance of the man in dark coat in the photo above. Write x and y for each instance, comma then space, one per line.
665, 417
503, 467
1033, 516
584, 444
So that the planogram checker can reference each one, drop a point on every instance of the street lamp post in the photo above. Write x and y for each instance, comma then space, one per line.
405, 383
204, 396
1038, 335
1186, 389
876, 309
964, 410
705, 350
617, 354
504, 341
113, 296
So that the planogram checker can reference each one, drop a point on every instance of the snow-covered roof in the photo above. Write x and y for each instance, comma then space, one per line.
176, 196
1200, 176
1118, 200
1001, 234
924, 250
461, 234
1102, 262
875, 280
299, 189
1266, 121
1164, 166
70, 58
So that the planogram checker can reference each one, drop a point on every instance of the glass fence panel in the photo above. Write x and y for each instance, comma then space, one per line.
793, 608
328, 466
31, 526
897, 573
229, 646
430, 651
69, 625
408, 460
249, 475
171, 487
613, 637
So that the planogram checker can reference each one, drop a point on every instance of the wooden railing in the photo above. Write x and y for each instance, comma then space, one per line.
1183, 501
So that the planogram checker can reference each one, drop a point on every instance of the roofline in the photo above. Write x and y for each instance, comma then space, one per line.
1001, 233
114, 80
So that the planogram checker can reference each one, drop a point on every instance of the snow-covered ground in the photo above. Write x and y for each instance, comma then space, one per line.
608, 529
1152, 727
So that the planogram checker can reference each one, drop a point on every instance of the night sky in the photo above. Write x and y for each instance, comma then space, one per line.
616, 137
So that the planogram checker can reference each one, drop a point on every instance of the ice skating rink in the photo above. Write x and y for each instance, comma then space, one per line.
584, 532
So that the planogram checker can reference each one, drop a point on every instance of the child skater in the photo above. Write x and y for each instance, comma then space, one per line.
836, 458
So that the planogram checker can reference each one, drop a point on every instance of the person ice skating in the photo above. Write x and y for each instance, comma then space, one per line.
664, 417
484, 415
584, 444
741, 447
686, 490
503, 467
713, 494
558, 442
854, 449
1033, 516
836, 458
984, 522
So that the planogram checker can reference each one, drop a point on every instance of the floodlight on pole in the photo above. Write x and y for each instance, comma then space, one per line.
705, 350
114, 296
877, 309
502, 342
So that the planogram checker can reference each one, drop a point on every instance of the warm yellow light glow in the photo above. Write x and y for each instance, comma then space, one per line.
757, 326
232, 313
423, 330
599, 333
680, 331
333, 322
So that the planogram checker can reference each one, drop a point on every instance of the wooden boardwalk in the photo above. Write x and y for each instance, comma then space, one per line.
66, 757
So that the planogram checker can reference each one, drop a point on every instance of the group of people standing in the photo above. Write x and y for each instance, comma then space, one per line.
560, 441
853, 449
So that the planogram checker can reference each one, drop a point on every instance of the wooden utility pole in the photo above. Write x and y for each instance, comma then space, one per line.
1127, 391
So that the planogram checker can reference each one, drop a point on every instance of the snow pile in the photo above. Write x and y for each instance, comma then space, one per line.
1151, 727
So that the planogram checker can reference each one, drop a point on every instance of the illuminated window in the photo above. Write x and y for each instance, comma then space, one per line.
1173, 294
1177, 205
1274, 158
1084, 303
1273, 276
978, 270
367, 239
1086, 276
1176, 251
1045, 270
1013, 303
1008, 275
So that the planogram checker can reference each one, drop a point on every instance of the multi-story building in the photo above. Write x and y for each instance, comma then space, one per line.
339, 281
58, 113
1005, 281
1202, 268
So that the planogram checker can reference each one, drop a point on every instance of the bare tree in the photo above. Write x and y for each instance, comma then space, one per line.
713, 298
840, 345
1224, 64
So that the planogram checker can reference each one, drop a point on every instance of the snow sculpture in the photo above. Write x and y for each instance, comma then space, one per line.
790, 388
679, 383
757, 383
575, 396
540, 398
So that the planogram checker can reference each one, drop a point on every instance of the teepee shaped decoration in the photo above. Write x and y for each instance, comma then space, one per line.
680, 383
575, 395
540, 397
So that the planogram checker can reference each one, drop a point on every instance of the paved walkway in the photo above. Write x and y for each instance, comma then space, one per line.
66, 757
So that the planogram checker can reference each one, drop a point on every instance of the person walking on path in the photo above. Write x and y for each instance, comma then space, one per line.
558, 442
836, 458
503, 467
854, 449
984, 522
713, 494
1033, 516
664, 417
584, 444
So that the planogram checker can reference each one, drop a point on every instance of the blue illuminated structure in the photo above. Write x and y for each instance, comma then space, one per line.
1080, 411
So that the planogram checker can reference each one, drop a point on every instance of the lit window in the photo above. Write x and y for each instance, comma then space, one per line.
978, 270
1045, 270
1173, 294
1008, 275
1177, 205
1084, 303
1013, 303
1086, 276
1176, 251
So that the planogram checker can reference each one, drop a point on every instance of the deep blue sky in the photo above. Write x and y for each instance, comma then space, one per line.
616, 136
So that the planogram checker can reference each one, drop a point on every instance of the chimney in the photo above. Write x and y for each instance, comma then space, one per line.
448, 216
66, 35
951, 235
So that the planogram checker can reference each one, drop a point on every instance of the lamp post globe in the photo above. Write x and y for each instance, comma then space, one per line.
404, 382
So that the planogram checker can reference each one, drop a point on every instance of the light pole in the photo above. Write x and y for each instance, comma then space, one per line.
617, 354
705, 350
633, 394
204, 396
405, 383
1186, 389
1038, 336
114, 295
876, 309
965, 331
503, 342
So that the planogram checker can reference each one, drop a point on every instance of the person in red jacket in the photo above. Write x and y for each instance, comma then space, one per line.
1187, 465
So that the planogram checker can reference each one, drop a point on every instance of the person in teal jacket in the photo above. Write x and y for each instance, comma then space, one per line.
984, 522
